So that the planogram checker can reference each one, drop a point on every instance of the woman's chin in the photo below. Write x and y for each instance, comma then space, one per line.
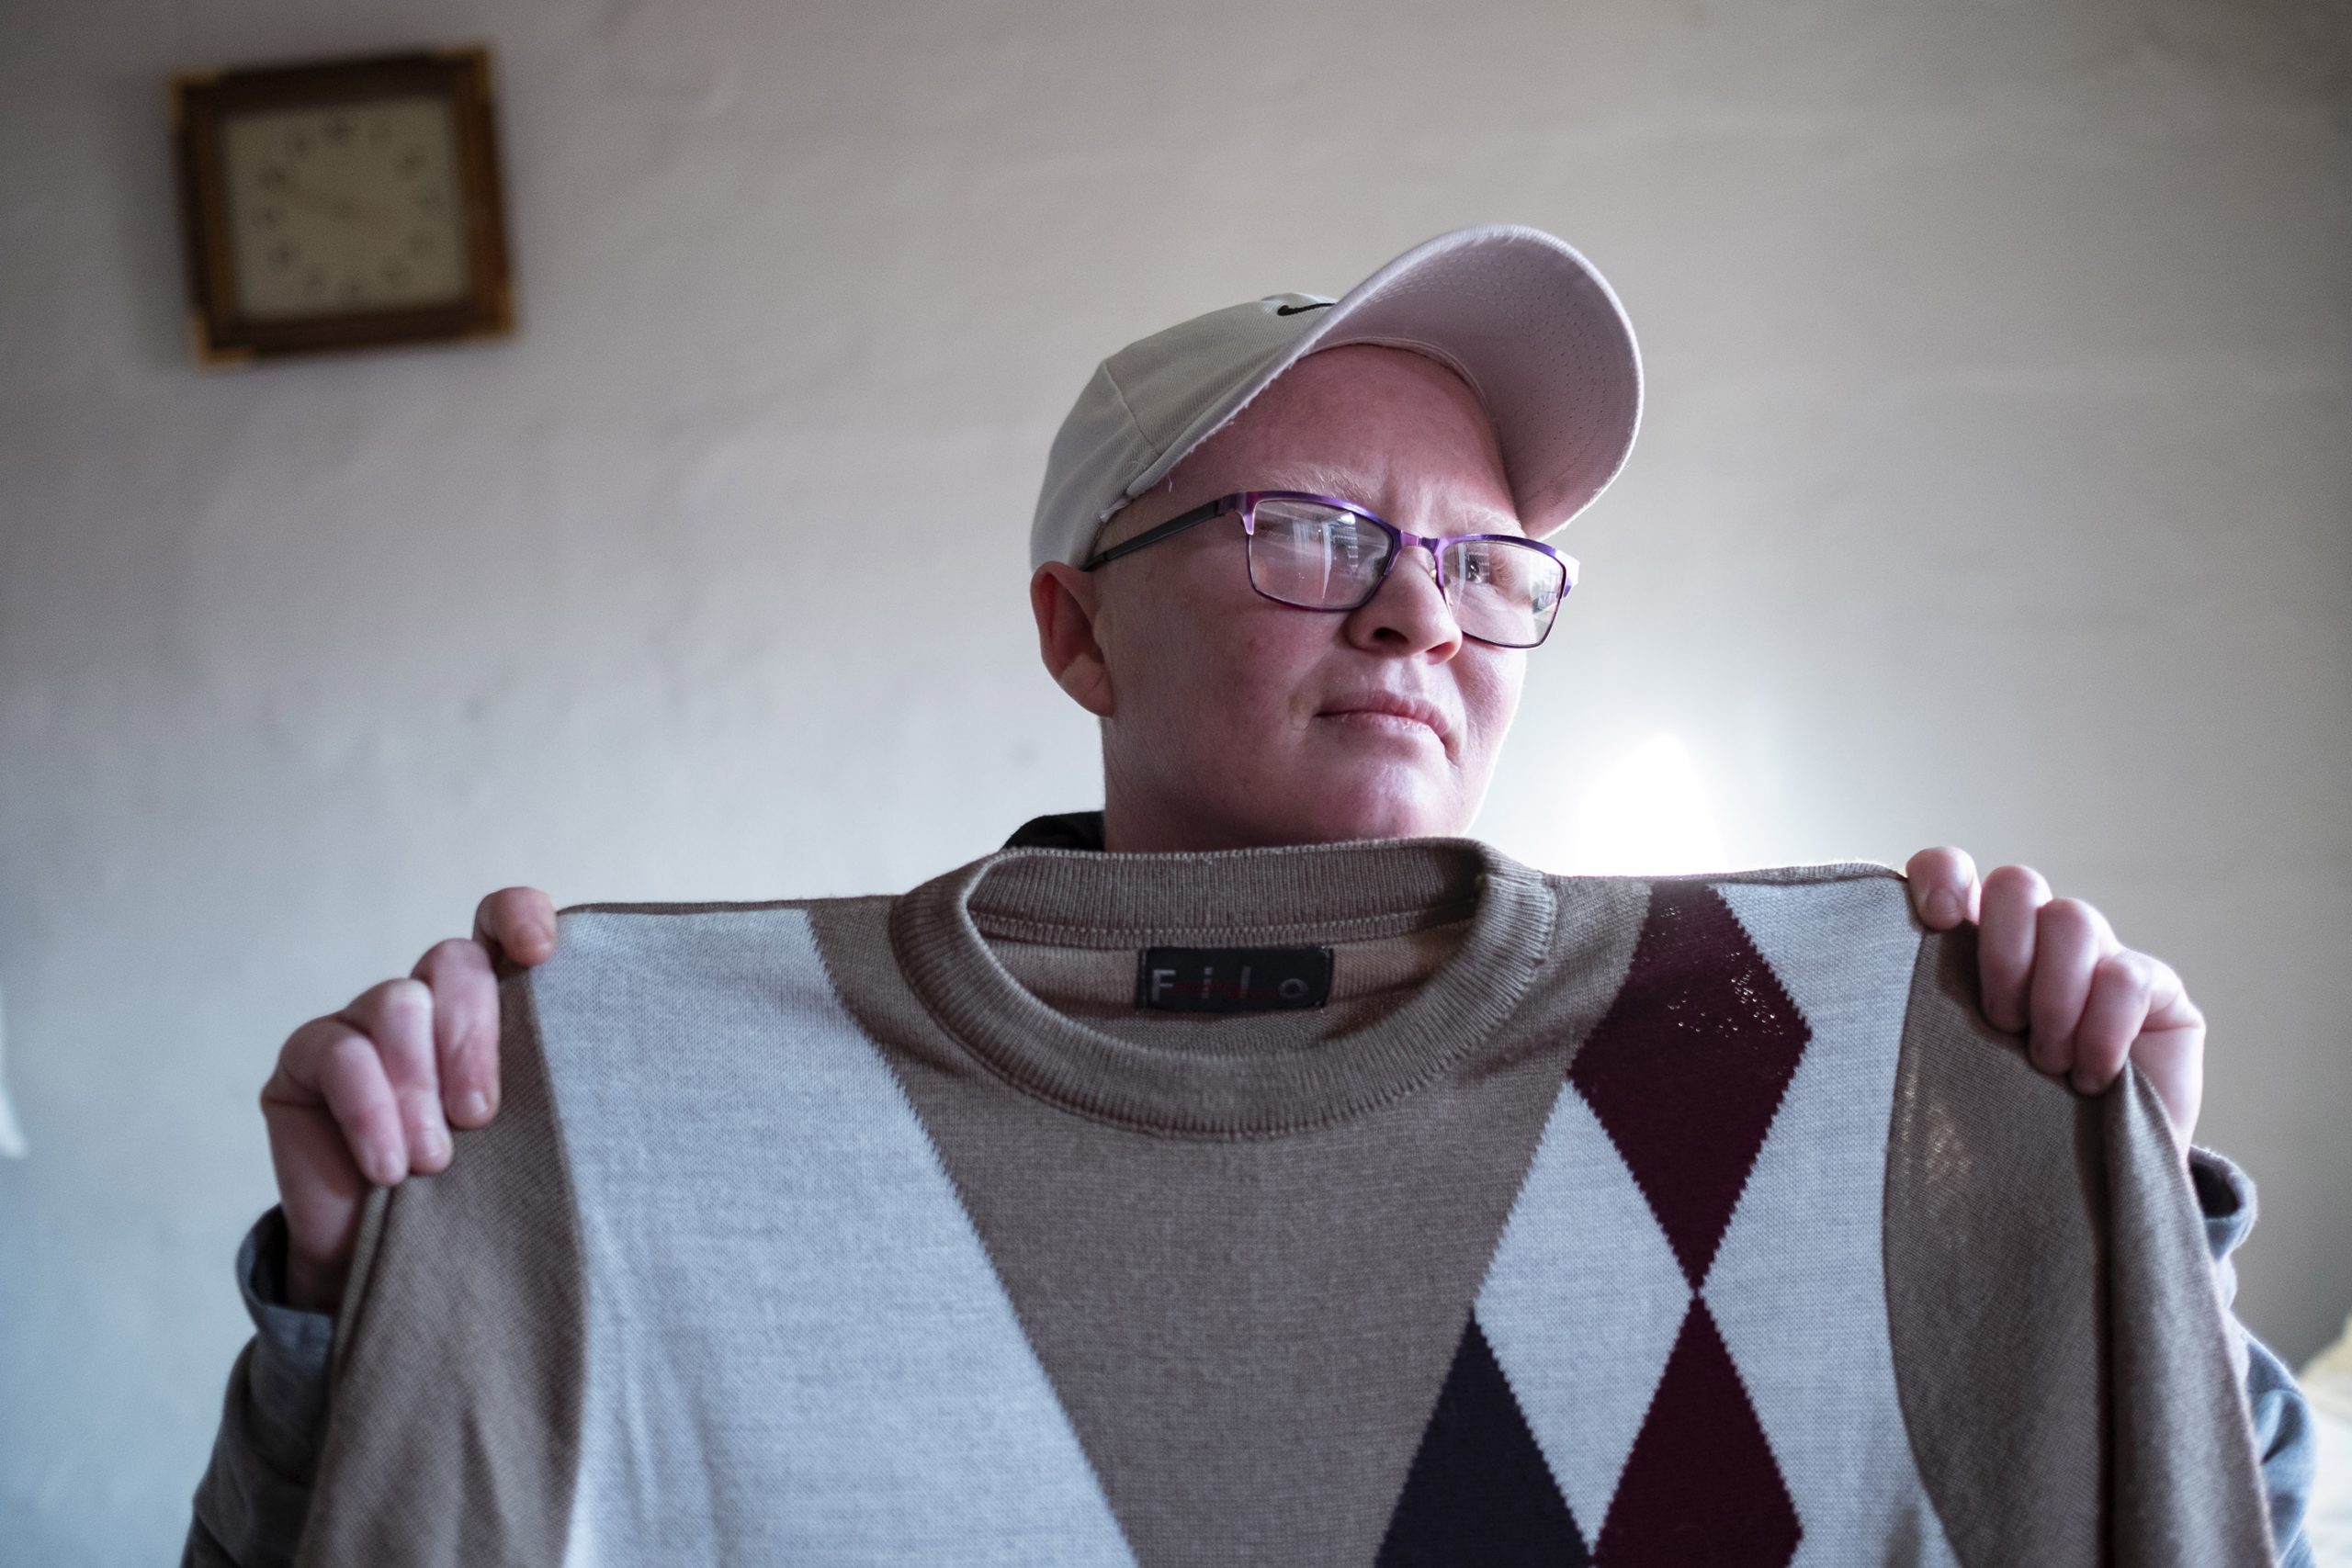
1378, 809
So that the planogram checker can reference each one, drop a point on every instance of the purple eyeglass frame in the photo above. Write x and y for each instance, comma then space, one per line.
1245, 502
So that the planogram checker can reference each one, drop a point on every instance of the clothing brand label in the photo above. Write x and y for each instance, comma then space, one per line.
1232, 979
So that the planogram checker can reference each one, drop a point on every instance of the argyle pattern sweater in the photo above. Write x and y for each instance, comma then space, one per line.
1582, 1220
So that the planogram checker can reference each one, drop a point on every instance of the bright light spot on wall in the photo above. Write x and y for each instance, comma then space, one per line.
1647, 814
11, 1141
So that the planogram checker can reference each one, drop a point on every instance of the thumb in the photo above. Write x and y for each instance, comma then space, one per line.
516, 924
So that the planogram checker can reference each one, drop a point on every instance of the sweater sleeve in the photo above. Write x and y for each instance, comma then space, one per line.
2068, 1381
255, 1492
2283, 1432
458, 1362
2188, 1482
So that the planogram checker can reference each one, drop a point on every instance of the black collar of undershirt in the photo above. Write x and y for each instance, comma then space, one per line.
1067, 830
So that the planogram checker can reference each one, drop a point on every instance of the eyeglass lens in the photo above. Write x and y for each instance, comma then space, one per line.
1322, 558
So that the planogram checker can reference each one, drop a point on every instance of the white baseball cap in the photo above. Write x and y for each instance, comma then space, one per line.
1516, 312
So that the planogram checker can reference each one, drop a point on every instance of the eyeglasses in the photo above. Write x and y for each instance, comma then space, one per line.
1317, 552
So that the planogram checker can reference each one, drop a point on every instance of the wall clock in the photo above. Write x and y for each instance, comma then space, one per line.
341, 204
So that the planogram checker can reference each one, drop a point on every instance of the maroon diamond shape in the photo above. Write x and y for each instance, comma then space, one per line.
1688, 1067
1700, 1485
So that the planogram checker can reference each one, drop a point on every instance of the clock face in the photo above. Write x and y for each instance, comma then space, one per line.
334, 208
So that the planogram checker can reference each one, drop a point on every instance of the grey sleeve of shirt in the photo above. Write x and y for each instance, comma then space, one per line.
255, 1493
2282, 1418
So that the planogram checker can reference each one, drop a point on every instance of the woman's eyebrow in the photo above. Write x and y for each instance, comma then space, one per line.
1322, 479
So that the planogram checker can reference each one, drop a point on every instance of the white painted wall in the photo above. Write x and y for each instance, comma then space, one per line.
1994, 490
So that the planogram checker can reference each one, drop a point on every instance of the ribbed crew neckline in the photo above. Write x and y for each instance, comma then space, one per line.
1292, 896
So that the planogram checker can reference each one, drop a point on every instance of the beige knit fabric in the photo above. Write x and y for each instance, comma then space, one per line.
1244, 1251
454, 1424
2059, 1343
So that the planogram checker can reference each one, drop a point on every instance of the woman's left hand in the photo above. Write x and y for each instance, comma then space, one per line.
2053, 968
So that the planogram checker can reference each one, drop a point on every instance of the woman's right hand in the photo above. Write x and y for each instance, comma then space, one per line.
367, 1095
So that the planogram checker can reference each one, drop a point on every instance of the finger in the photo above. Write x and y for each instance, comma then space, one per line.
2168, 1004
321, 1192
328, 1065
2070, 938
2171, 1049
465, 1028
1944, 886
517, 923
2122, 990
2005, 941
398, 1016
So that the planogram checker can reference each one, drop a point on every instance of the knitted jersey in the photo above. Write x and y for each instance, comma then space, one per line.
1569, 1219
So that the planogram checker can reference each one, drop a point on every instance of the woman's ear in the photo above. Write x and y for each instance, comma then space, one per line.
1062, 599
